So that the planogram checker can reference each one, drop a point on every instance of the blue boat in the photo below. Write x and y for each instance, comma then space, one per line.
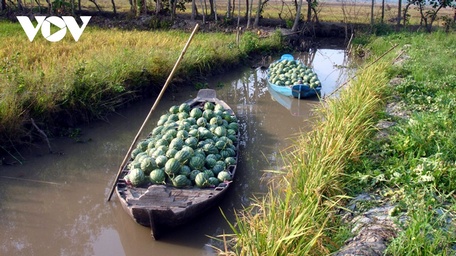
301, 91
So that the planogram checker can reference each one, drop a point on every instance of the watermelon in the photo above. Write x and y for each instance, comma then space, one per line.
233, 126
196, 113
174, 109
180, 181
158, 152
201, 180
213, 156
218, 107
204, 133
172, 167
225, 153
161, 142
191, 142
182, 134
192, 120
194, 133
224, 176
135, 152
183, 126
217, 120
172, 118
193, 174
161, 149
135, 177
231, 151
148, 164
151, 143
208, 114
210, 163
133, 165
218, 168
196, 162
182, 115
230, 160
176, 143
209, 148
184, 107
183, 155
209, 105
221, 144
213, 181
208, 173
202, 122
157, 176
220, 131
171, 152
189, 149
143, 145
157, 130
185, 170
139, 157
161, 160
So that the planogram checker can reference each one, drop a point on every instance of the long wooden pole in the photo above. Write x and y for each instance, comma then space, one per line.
152, 110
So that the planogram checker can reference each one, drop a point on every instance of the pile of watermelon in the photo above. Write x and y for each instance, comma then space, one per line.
188, 147
290, 72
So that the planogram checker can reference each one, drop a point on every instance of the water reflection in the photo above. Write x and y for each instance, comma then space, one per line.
54, 204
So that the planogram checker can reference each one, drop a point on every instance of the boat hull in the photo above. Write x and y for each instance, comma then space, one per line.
164, 208
298, 91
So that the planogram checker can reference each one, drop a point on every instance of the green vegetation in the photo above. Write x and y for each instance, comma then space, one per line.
414, 167
101, 71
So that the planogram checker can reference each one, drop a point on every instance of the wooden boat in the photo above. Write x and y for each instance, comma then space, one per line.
164, 207
299, 90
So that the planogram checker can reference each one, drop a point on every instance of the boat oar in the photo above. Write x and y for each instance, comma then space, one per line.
151, 110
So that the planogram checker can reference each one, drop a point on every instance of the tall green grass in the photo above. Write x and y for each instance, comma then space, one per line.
297, 215
103, 70
415, 167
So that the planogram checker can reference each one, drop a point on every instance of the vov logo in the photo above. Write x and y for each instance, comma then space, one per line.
64, 23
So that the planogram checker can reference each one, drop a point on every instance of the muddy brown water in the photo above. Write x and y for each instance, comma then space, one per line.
55, 204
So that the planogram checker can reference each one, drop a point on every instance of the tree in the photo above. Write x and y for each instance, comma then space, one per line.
428, 17
309, 10
257, 17
249, 15
372, 12
113, 6
212, 8
194, 10
228, 10
158, 6
297, 17
405, 14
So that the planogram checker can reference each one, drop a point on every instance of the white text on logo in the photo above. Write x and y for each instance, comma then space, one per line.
44, 23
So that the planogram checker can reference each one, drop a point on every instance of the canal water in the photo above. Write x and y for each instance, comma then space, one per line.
55, 204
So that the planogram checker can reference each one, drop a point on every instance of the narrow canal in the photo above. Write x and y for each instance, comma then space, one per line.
55, 204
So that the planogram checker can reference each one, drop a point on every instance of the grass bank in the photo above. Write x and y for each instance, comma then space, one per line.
60, 84
413, 168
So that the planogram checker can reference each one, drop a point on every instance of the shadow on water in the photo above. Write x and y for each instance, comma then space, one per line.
55, 204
